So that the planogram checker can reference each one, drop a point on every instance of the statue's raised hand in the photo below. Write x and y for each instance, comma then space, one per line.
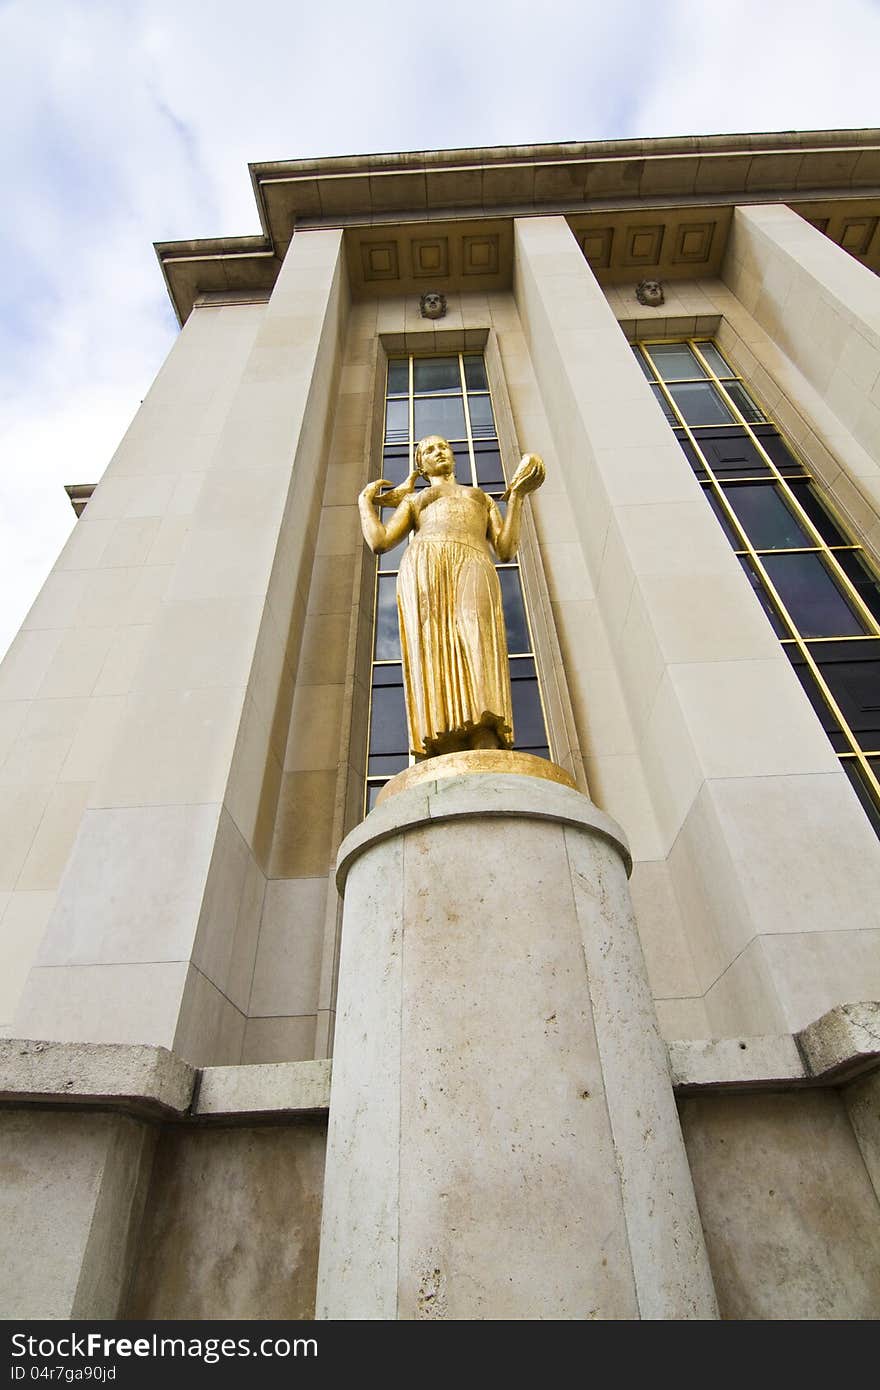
368, 494
397, 494
529, 476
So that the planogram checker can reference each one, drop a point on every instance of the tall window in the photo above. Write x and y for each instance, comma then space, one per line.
448, 396
815, 585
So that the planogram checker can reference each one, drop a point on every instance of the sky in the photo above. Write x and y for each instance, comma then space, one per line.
124, 122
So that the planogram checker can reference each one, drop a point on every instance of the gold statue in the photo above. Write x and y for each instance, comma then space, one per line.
456, 678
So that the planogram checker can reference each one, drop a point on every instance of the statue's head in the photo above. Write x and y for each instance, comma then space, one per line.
650, 293
434, 457
432, 305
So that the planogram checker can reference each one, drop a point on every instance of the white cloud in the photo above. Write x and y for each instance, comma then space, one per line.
789, 65
129, 121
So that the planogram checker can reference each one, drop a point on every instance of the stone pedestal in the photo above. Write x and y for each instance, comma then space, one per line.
504, 1142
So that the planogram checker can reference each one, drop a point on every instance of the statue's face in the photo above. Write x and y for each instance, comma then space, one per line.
434, 457
433, 305
650, 292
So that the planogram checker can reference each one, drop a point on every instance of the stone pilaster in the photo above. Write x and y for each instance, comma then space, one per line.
822, 307
154, 931
742, 779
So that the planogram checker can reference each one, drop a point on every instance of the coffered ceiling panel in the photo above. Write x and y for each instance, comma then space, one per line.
852, 223
413, 257
670, 243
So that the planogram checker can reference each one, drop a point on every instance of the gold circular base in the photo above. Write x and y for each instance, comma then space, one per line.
485, 760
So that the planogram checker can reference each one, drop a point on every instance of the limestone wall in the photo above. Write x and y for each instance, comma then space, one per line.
791, 1220
231, 1224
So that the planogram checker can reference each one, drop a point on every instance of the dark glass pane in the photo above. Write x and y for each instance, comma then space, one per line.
528, 719
436, 374
852, 670
664, 405
443, 415
743, 402
811, 596
767, 521
387, 721
783, 457
522, 668
475, 374
391, 559
388, 675
514, 612
675, 361
462, 464
862, 788
373, 790
690, 452
482, 421
763, 598
866, 584
542, 752
395, 464
715, 360
489, 471
386, 764
731, 454
839, 741
643, 363
809, 500
715, 503
396, 421
387, 634
398, 376
700, 403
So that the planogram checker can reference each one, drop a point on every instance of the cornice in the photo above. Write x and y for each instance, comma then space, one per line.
507, 181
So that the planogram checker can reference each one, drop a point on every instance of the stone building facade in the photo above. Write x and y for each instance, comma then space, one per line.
197, 707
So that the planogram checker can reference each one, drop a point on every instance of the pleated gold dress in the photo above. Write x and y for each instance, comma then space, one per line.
455, 669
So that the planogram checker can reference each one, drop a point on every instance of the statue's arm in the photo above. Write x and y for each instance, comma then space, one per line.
381, 536
504, 532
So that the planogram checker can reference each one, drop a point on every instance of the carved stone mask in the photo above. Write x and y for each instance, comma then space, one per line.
432, 305
650, 293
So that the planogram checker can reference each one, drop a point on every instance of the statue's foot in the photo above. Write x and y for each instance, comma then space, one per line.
484, 738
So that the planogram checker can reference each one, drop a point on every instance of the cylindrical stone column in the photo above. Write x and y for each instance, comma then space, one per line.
504, 1141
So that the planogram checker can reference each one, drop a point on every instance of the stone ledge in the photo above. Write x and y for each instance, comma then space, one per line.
273, 1090
846, 1040
143, 1079
839, 1046
153, 1083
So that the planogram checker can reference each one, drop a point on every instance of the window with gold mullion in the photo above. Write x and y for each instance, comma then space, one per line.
815, 584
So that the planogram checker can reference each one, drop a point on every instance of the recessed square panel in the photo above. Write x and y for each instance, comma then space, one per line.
693, 242
430, 257
596, 245
379, 260
857, 233
643, 245
479, 255
820, 223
